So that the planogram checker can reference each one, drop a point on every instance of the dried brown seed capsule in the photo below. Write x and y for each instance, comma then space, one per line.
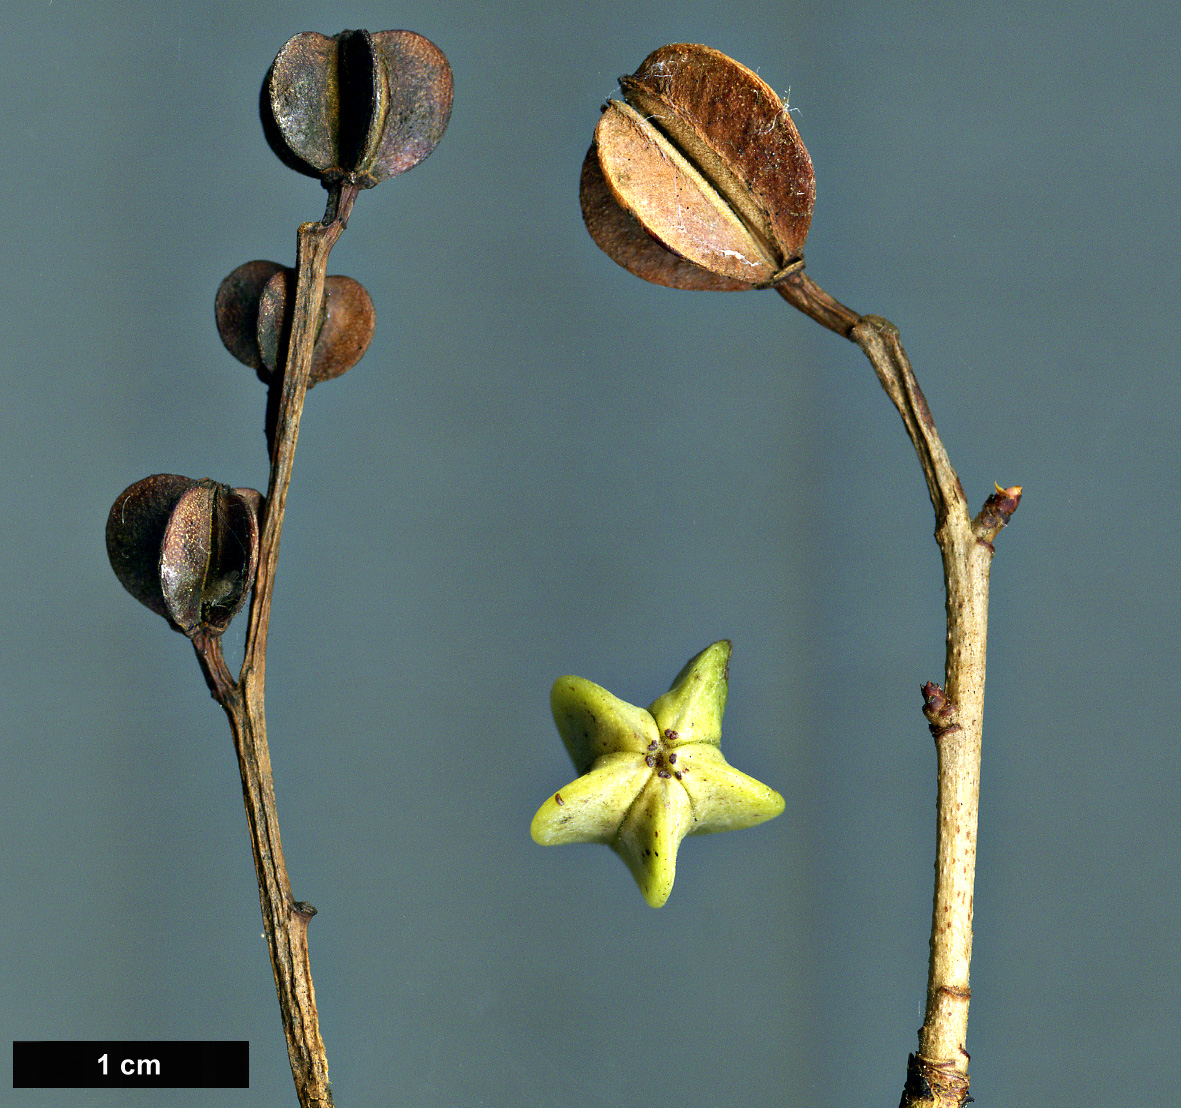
357, 106
135, 531
236, 309
700, 180
186, 549
347, 321
254, 320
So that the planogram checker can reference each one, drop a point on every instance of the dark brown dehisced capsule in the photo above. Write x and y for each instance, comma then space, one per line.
347, 323
187, 549
356, 106
236, 309
254, 315
700, 179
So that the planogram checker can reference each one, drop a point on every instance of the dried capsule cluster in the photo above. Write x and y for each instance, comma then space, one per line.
352, 109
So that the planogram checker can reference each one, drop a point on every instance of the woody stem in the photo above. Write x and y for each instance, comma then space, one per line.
285, 920
938, 1073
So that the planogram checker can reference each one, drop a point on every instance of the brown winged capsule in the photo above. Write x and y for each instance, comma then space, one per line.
699, 179
254, 308
186, 549
356, 106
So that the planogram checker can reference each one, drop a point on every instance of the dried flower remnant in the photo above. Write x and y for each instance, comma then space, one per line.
700, 180
650, 777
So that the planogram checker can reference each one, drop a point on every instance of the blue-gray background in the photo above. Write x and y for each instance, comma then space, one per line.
546, 466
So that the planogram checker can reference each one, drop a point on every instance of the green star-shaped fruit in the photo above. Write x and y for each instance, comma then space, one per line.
649, 778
